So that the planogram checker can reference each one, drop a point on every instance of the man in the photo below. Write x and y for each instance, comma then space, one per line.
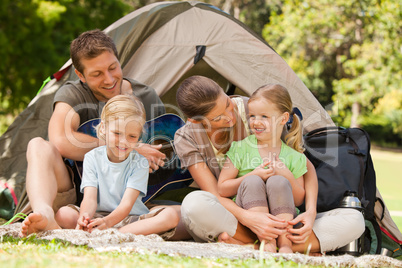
49, 183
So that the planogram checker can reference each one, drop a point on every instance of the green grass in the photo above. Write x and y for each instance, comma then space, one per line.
36, 253
389, 180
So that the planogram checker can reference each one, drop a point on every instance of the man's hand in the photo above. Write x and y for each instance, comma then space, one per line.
152, 154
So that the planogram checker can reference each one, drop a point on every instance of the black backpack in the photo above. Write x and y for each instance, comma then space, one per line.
343, 163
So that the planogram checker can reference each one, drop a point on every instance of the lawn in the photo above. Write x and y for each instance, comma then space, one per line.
389, 181
37, 253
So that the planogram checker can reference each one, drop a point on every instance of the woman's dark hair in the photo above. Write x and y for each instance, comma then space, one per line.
197, 95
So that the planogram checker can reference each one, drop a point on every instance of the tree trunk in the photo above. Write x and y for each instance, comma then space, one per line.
236, 12
227, 6
232, 7
355, 114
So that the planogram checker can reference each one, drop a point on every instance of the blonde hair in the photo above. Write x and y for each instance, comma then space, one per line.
280, 97
121, 107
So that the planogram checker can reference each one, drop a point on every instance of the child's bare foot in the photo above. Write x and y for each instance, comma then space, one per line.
225, 238
316, 254
270, 246
36, 222
285, 249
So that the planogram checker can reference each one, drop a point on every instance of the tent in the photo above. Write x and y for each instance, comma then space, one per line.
160, 45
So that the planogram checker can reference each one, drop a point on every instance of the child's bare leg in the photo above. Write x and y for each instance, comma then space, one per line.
164, 221
67, 217
284, 244
181, 232
270, 245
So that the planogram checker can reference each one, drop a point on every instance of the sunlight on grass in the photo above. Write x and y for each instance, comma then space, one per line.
387, 167
38, 253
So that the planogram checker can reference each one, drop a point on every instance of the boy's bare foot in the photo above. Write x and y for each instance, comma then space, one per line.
225, 238
36, 222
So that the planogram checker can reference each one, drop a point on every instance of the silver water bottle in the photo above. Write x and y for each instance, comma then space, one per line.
355, 248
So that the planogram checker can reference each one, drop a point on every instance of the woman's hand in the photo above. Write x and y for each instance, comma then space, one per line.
301, 235
264, 225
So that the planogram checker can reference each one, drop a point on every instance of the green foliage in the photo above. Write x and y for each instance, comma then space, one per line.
255, 13
348, 52
373, 68
303, 35
35, 37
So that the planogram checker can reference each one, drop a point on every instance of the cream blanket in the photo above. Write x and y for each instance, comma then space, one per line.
113, 240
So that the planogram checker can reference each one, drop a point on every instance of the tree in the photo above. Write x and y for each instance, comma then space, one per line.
344, 51
373, 67
253, 13
35, 37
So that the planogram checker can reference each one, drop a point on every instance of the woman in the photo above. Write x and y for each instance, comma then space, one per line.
214, 121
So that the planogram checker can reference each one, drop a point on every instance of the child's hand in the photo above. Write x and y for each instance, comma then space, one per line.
98, 223
82, 222
265, 170
281, 168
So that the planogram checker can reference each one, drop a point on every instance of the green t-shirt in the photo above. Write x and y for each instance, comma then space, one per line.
80, 97
245, 157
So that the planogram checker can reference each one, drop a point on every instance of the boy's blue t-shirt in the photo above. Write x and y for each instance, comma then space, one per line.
112, 179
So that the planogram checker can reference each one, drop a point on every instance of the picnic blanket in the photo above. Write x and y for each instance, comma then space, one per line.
113, 240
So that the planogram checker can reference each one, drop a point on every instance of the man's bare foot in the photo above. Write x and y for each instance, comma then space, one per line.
36, 222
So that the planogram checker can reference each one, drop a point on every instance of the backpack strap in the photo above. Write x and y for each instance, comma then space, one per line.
324, 129
377, 231
361, 154
379, 200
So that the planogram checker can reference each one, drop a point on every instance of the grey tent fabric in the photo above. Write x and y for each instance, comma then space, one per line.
157, 45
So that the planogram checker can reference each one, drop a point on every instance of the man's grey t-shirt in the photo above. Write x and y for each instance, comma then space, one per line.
83, 101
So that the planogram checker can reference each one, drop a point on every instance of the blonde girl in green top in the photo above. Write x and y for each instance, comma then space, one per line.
264, 172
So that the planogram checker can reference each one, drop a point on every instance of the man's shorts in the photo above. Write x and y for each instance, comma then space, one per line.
67, 197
